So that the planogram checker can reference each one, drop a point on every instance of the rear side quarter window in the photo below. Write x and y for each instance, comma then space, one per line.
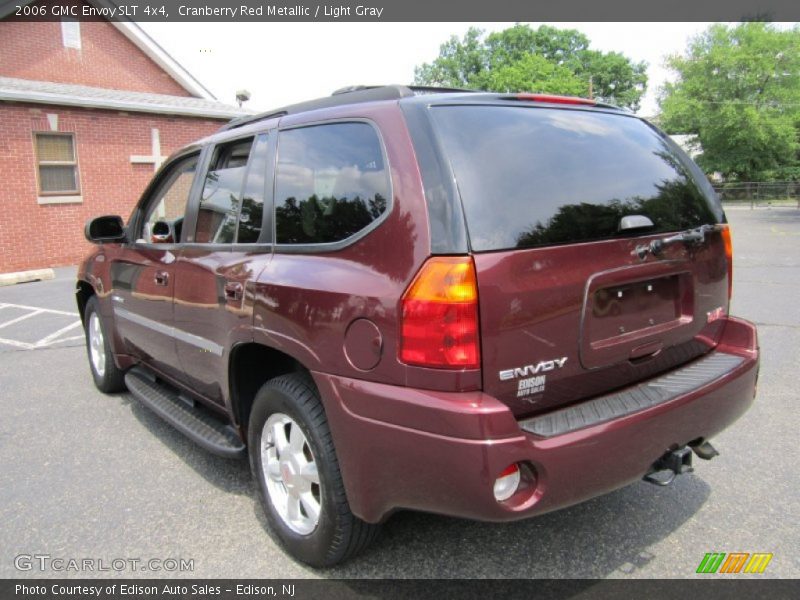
332, 182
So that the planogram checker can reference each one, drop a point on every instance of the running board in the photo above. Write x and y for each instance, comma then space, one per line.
195, 423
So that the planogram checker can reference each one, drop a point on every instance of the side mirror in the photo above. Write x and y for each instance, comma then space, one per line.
162, 233
105, 229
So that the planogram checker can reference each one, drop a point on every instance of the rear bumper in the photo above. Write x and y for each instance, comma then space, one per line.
441, 452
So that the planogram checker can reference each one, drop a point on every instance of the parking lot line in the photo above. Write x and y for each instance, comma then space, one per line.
22, 318
35, 311
17, 344
39, 308
46, 340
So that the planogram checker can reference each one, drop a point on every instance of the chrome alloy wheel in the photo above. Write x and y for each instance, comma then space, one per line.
290, 473
97, 348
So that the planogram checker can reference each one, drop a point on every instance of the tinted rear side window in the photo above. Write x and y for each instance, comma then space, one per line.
222, 193
537, 176
331, 182
252, 213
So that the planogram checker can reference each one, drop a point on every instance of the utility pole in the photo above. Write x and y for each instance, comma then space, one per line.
591, 87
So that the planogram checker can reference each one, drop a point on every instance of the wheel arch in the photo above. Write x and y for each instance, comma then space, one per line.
251, 365
83, 291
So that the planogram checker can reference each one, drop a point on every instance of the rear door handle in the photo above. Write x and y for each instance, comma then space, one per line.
233, 290
162, 278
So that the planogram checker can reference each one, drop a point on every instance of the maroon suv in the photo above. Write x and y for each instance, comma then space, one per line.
482, 305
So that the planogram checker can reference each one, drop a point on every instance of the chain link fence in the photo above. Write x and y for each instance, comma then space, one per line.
760, 193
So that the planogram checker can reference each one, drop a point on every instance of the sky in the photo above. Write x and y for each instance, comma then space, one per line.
283, 63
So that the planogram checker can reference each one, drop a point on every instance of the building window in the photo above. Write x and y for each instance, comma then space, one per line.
58, 166
71, 33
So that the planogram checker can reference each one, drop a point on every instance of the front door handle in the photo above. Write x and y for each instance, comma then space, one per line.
233, 290
162, 278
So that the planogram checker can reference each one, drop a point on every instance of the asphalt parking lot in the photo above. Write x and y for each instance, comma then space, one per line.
91, 476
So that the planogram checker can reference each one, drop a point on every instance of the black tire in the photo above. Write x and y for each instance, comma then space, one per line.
338, 535
111, 379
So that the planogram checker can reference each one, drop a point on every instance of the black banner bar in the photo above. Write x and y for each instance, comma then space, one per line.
713, 588
373, 11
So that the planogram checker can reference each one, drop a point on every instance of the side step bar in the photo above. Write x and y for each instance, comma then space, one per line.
197, 424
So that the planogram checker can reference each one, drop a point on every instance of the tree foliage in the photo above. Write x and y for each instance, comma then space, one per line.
738, 90
325, 219
546, 59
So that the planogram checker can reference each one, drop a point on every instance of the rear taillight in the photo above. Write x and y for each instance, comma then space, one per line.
726, 238
439, 319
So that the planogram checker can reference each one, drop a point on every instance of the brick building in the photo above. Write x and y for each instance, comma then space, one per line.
88, 111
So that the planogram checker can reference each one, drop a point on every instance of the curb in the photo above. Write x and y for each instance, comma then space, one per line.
26, 276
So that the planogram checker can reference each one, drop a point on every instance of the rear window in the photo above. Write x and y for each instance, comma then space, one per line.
531, 177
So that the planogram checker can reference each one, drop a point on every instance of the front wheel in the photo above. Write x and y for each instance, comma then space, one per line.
293, 459
107, 377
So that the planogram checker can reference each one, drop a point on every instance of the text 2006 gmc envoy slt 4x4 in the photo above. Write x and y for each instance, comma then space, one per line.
481, 305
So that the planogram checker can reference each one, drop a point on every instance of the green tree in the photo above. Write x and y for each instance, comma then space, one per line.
615, 78
738, 89
550, 77
546, 59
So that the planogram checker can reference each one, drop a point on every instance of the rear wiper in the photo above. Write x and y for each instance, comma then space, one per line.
693, 237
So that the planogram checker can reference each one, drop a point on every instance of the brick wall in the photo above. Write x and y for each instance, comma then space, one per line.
107, 59
33, 235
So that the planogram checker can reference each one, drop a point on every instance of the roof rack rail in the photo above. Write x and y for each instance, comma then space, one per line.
432, 89
354, 88
351, 95
347, 95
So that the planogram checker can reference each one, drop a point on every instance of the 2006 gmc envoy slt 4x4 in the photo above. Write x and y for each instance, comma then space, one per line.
481, 305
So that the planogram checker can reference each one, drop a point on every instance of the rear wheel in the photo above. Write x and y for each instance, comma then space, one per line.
290, 473
293, 459
107, 377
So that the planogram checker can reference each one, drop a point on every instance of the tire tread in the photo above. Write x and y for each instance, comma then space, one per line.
352, 535
114, 379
